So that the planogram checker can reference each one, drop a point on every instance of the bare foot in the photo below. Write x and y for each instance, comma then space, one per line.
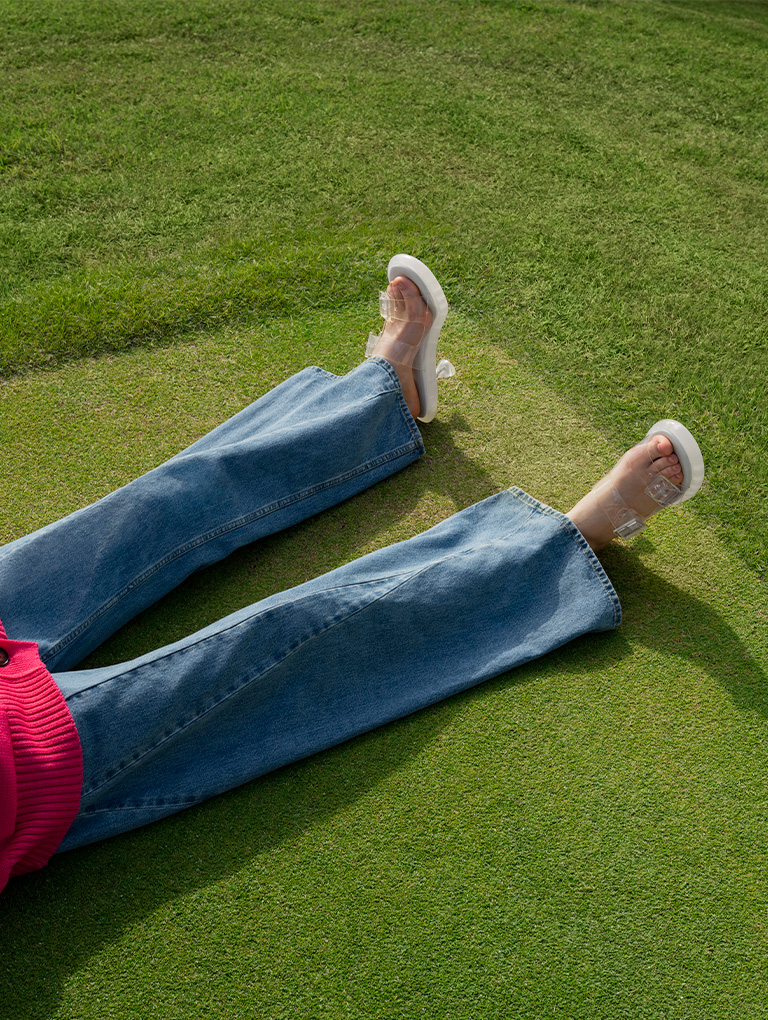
622, 497
408, 323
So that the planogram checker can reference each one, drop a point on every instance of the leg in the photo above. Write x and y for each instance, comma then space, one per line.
493, 587
313, 441
310, 443
490, 588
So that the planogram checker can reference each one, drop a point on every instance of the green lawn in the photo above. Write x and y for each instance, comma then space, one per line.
200, 197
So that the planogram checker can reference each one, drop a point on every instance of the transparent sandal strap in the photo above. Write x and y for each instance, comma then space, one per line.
392, 309
628, 522
664, 492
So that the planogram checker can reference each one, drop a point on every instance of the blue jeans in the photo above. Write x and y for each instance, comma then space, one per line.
492, 587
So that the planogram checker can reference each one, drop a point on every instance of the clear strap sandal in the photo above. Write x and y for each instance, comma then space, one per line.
423, 357
627, 521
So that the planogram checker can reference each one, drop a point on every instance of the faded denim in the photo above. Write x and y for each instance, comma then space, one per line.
494, 586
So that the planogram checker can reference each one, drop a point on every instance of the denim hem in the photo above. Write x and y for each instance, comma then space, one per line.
410, 420
580, 541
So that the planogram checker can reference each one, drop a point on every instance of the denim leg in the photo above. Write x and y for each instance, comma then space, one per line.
308, 444
492, 587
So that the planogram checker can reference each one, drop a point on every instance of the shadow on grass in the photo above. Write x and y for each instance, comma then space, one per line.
674, 623
58, 919
85, 899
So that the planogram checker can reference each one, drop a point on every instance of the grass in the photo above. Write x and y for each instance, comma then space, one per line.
537, 847
199, 198
590, 179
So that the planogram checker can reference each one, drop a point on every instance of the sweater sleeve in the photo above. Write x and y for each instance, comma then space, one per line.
41, 766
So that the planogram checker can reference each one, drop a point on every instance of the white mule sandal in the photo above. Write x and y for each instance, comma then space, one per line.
628, 522
426, 369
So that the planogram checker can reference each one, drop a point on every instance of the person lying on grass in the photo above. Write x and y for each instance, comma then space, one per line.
89, 753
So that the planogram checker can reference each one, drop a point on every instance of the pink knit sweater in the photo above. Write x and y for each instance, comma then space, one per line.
41, 764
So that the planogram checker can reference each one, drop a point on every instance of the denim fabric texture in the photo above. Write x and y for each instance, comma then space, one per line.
494, 586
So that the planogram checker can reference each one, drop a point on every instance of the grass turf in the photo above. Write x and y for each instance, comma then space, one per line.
210, 192
588, 178
581, 838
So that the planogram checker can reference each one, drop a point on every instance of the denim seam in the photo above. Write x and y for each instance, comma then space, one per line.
241, 522
245, 620
237, 686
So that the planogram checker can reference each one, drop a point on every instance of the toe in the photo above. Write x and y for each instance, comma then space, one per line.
406, 286
397, 308
414, 306
670, 468
661, 446
664, 464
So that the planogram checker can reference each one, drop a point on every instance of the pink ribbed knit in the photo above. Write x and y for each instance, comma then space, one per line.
41, 766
